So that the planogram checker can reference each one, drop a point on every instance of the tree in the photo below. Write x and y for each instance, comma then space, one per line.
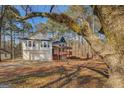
77, 12
9, 27
53, 27
112, 51
1, 24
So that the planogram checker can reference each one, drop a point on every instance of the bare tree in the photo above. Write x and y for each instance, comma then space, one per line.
1, 23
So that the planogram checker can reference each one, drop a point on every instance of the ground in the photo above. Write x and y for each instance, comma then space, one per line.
72, 73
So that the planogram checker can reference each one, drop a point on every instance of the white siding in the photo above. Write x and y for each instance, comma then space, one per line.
37, 52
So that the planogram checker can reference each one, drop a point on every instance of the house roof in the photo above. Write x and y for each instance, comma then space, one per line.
37, 39
4, 51
38, 36
56, 42
62, 47
62, 40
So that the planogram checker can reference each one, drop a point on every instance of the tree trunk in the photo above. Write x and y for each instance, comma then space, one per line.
12, 44
116, 70
111, 18
1, 23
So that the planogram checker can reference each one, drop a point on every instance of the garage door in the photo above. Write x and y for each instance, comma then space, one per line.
41, 57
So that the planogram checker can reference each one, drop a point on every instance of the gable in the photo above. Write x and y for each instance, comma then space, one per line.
62, 40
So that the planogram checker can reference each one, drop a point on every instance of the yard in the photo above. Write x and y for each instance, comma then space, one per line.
74, 73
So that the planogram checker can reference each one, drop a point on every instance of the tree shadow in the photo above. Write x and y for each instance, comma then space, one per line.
79, 58
65, 77
90, 81
21, 78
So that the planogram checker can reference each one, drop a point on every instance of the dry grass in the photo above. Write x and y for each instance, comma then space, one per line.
34, 82
54, 74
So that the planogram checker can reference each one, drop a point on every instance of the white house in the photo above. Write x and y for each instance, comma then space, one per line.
37, 47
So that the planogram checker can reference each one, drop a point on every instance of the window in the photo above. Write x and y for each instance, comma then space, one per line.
45, 45
48, 45
5, 54
29, 43
33, 43
26, 43
63, 44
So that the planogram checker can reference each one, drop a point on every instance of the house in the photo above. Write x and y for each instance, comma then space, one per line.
40, 47
60, 49
5, 54
37, 46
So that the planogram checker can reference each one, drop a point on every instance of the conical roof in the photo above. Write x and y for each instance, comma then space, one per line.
62, 40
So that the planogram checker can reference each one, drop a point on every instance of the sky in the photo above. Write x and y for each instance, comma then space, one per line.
41, 8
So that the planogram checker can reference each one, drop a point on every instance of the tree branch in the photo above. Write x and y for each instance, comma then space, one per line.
85, 30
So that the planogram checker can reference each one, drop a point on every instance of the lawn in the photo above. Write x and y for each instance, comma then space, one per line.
80, 73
